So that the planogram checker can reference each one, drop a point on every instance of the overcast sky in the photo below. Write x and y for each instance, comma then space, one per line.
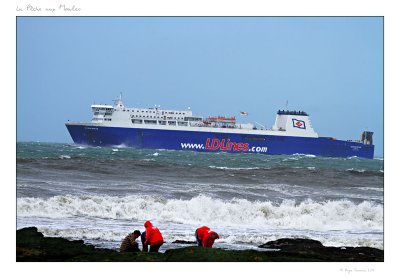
330, 67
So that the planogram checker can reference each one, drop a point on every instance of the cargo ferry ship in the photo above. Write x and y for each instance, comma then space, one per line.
156, 128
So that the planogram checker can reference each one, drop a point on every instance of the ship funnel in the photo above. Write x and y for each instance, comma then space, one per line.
294, 123
366, 137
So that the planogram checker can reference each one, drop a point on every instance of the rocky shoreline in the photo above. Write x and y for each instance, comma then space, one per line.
32, 246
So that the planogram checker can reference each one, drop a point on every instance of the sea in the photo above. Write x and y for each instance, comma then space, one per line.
101, 194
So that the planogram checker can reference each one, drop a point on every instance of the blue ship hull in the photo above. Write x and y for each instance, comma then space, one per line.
215, 141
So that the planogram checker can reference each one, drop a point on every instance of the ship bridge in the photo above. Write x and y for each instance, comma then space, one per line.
101, 113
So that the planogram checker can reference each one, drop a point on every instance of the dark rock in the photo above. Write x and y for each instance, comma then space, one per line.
292, 243
184, 242
314, 249
32, 246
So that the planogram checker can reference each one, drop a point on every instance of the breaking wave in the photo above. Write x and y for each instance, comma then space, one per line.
341, 215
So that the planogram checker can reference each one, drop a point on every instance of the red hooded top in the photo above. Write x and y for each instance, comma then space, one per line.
208, 240
201, 232
204, 235
153, 235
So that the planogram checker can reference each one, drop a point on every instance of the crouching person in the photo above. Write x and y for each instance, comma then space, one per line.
129, 244
205, 237
153, 237
145, 248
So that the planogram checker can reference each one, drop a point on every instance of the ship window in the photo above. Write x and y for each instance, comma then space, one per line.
171, 122
192, 119
162, 122
136, 121
182, 123
150, 122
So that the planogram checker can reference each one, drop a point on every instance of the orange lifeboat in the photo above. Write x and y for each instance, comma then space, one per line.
222, 119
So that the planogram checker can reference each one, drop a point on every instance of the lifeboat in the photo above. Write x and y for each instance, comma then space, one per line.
222, 119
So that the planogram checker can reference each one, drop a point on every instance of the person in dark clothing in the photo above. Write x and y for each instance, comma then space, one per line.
129, 244
145, 247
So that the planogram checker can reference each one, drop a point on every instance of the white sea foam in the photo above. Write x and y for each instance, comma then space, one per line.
370, 189
291, 159
122, 146
322, 216
84, 233
355, 170
229, 237
305, 155
233, 168
352, 157
64, 157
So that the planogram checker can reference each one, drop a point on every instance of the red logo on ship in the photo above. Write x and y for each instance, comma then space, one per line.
299, 124
225, 145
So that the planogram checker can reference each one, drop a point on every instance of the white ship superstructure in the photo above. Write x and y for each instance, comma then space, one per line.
288, 123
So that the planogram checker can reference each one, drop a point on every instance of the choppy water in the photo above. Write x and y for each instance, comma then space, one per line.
101, 194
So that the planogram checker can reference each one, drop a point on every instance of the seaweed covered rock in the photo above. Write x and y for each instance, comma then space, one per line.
314, 250
292, 243
184, 242
33, 246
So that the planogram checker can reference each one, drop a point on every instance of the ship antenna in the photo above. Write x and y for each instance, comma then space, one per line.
119, 100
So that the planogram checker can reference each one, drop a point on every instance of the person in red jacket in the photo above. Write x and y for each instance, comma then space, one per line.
153, 237
205, 237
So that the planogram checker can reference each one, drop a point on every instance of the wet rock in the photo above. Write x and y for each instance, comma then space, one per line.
292, 243
184, 242
314, 250
32, 246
